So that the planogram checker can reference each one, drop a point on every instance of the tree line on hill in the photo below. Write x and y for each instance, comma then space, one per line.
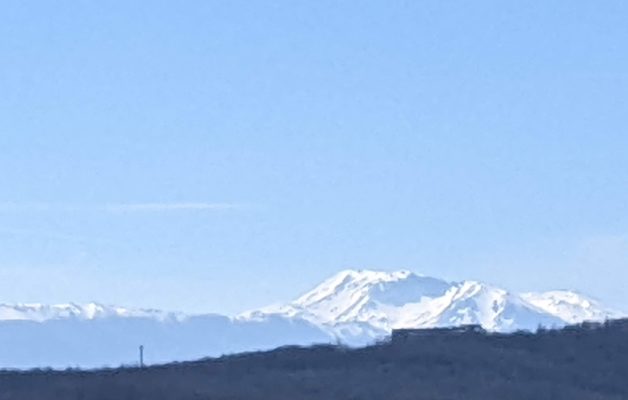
582, 362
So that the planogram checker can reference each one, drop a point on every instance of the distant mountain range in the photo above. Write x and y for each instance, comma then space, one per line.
351, 307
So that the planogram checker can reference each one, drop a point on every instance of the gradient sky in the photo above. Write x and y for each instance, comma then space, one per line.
222, 155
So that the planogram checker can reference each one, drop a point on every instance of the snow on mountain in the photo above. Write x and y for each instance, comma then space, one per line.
570, 306
374, 302
42, 312
380, 299
352, 307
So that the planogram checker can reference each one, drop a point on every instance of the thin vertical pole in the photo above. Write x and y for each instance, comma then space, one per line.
142, 356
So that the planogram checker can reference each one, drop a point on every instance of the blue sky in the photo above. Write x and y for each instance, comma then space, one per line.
221, 155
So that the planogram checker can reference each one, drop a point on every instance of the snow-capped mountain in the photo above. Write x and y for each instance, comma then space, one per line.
381, 301
89, 311
570, 306
353, 307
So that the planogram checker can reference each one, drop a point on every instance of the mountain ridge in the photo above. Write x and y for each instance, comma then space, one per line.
402, 299
347, 295
352, 307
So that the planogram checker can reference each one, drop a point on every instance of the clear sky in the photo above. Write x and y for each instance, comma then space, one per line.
222, 155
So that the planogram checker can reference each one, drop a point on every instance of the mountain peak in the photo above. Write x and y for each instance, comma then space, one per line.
371, 275
384, 300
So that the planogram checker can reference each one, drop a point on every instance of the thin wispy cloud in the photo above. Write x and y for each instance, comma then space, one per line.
18, 232
157, 207
118, 207
17, 207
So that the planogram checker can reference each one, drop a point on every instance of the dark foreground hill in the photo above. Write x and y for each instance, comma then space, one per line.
578, 363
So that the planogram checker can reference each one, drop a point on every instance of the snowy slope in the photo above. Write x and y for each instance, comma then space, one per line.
90, 311
570, 306
384, 301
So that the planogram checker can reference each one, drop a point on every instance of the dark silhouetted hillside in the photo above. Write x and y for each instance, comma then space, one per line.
587, 362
